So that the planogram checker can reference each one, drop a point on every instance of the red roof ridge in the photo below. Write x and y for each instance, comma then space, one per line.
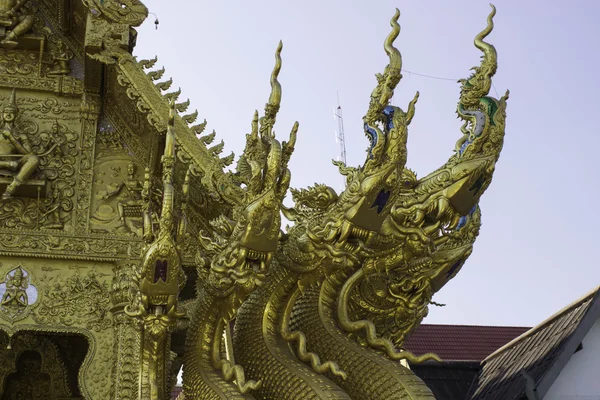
460, 342
482, 326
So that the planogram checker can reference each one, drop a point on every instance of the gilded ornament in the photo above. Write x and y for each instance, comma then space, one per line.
14, 21
119, 223
19, 295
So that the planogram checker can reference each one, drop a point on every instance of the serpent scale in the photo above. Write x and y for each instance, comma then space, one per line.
263, 352
370, 375
201, 334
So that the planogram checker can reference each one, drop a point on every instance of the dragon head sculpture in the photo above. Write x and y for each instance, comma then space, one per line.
434, 221
396, 298
241, 251
344, 222
451, 192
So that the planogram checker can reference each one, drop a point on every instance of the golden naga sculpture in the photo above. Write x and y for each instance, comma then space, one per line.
127, 253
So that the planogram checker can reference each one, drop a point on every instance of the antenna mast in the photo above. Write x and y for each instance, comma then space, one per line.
339, 137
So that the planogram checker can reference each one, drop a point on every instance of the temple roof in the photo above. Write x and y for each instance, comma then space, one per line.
532, 361
461, 342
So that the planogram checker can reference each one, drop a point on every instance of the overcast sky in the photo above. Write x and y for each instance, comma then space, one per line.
537, 248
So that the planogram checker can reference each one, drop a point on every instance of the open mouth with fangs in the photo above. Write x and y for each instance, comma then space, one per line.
437, 220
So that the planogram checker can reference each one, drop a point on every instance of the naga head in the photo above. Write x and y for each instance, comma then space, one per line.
396, 296
451, 192
435, 220
242, 254
372, 188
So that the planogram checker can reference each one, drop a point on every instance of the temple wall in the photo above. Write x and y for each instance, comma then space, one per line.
579, 378
57, 296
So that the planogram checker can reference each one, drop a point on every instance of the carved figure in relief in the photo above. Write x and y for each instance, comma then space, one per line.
61, 56
129, 195
52, 218
16, 157
15, 298
14, 21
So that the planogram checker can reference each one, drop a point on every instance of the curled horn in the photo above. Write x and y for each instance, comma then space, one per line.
392, 52
275, 98
272, 107
392, 74
480, 82
489, 52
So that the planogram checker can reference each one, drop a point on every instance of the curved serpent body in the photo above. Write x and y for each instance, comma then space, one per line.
355, 274
370, 375
205, 323
266, 356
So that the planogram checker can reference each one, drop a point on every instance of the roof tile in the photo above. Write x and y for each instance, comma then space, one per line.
460, 342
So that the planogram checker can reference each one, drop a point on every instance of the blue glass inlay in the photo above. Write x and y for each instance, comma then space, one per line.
464, 146
389, 113
381, 200
463, 220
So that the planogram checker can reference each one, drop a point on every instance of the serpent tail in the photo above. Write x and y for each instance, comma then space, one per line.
368, 327
301, 349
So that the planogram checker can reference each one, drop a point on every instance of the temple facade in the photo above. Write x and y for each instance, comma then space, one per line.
127, 251
84, 127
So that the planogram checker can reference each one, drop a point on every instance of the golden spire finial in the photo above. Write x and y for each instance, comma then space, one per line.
168, 164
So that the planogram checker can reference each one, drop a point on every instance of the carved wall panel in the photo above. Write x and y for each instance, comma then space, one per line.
71, 298
49, 128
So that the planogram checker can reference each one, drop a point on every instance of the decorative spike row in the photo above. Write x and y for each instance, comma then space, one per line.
182, 107
173, 95
147, 64
156, 75
198, 129
208, 139
227, 161
190, 118
218, 148
164, 85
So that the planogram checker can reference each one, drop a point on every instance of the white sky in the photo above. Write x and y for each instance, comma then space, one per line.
534, 254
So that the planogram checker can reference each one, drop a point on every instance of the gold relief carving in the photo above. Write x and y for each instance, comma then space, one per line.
80, 300
41, 61
126, 122
95, 377
127, 346
17, 294
89, 127
106, 42
130, 12
126, 365
14, 21
118, 200
31, 368
18, 62
60, 56
17, 159
37, 163
34, 244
